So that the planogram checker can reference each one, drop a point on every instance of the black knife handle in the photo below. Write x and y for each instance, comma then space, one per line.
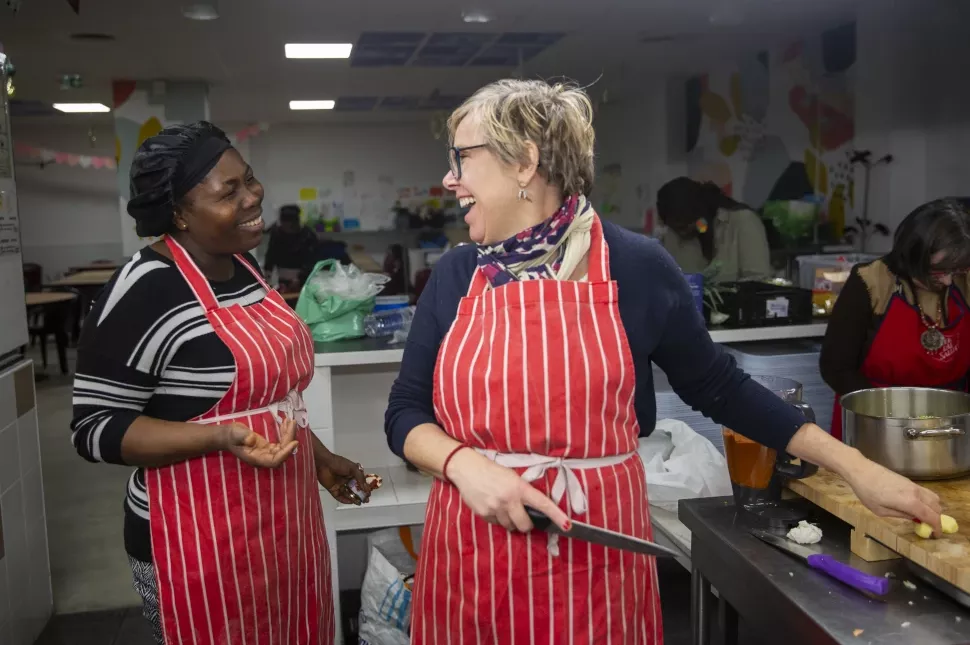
539, 519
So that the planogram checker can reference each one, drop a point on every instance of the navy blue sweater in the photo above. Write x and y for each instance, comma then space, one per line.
663, 326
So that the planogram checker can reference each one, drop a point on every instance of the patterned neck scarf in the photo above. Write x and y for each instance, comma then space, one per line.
536, 253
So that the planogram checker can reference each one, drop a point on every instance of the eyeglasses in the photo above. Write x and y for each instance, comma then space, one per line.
454, 157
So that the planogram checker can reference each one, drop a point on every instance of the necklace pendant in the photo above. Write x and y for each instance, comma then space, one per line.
932, 339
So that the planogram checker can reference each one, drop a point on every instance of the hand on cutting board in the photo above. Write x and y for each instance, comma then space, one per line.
498, 494
336, 473
255, 450
888, 494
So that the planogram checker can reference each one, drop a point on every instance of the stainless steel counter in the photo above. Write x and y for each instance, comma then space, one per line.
785, 601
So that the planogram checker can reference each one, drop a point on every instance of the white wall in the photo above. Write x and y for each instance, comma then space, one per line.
635, 133
68, 216
911, 103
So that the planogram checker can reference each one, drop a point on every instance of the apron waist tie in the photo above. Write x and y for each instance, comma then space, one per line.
289, 407
566, 482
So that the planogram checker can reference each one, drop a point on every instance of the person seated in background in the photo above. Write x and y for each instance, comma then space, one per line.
396, 268
903, 320
705, 226
291, 247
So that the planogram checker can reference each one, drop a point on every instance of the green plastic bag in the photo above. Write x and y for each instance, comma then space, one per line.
331, 316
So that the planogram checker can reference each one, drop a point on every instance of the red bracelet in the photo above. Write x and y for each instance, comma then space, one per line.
444, 468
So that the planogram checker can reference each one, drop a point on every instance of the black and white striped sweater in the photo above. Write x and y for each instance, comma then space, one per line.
146, 348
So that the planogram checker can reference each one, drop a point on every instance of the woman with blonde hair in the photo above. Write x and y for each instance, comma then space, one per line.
527, 380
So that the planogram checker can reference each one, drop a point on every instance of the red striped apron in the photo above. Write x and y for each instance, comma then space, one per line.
240, 553
541, 372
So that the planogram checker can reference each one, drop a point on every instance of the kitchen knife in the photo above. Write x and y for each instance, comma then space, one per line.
842, 572
596, 535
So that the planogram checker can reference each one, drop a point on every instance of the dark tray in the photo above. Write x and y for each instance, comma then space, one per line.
762, 304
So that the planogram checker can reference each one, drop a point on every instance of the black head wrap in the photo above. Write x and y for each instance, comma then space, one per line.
166, 167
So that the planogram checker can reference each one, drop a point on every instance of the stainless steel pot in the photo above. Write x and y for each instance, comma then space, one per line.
922, 433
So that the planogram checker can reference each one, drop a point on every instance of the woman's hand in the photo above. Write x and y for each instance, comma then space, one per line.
888, 494
882, 491
335, 472
497, 494
255, 450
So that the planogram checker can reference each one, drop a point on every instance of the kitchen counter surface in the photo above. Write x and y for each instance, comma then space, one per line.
783, 600
376, 351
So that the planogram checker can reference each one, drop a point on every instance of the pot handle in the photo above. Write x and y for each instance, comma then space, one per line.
933, 433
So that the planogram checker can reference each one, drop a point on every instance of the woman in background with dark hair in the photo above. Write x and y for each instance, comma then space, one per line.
902, 321
704, 226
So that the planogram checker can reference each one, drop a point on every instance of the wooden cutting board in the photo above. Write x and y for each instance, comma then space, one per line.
878, 538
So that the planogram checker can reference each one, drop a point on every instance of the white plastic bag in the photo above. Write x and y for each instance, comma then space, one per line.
347, 282
385, 597
681, 464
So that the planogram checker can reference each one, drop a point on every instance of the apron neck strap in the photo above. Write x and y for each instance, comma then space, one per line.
599, 253
256, 273
193, 275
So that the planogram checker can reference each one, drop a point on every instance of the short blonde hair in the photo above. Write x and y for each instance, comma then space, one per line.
557, 118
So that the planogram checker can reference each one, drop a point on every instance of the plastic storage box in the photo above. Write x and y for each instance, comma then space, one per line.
809, 267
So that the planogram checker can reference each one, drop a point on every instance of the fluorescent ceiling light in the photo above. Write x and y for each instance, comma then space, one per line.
79, 108
200, 11
318, 50
312, 105
476, 17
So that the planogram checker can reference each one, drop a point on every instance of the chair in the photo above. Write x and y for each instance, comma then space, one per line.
33, 277
50, 319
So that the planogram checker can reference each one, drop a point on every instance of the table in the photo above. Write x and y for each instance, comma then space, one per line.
55, 306
96, 266
41, 298
87, 284
96, 278
785, 601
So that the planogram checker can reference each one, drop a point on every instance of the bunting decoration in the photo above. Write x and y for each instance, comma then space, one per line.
47, 156
248, 132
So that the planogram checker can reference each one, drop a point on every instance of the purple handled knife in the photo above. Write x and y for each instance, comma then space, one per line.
842, 572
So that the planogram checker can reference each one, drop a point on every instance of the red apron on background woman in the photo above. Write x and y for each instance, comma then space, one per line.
538, 376
240, 553
897, 357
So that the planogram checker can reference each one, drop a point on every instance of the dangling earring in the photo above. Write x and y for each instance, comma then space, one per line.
524, 194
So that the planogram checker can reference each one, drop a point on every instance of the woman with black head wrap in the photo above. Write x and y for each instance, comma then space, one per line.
190, 367
705, 226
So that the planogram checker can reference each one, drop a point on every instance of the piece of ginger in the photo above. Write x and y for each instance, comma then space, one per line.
949, 525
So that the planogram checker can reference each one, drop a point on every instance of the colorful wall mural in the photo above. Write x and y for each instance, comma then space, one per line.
779, 125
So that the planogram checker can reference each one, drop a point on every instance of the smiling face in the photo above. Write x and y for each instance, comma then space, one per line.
223, 214
488, 187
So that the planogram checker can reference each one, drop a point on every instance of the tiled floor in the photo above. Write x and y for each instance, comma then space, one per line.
115, 627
